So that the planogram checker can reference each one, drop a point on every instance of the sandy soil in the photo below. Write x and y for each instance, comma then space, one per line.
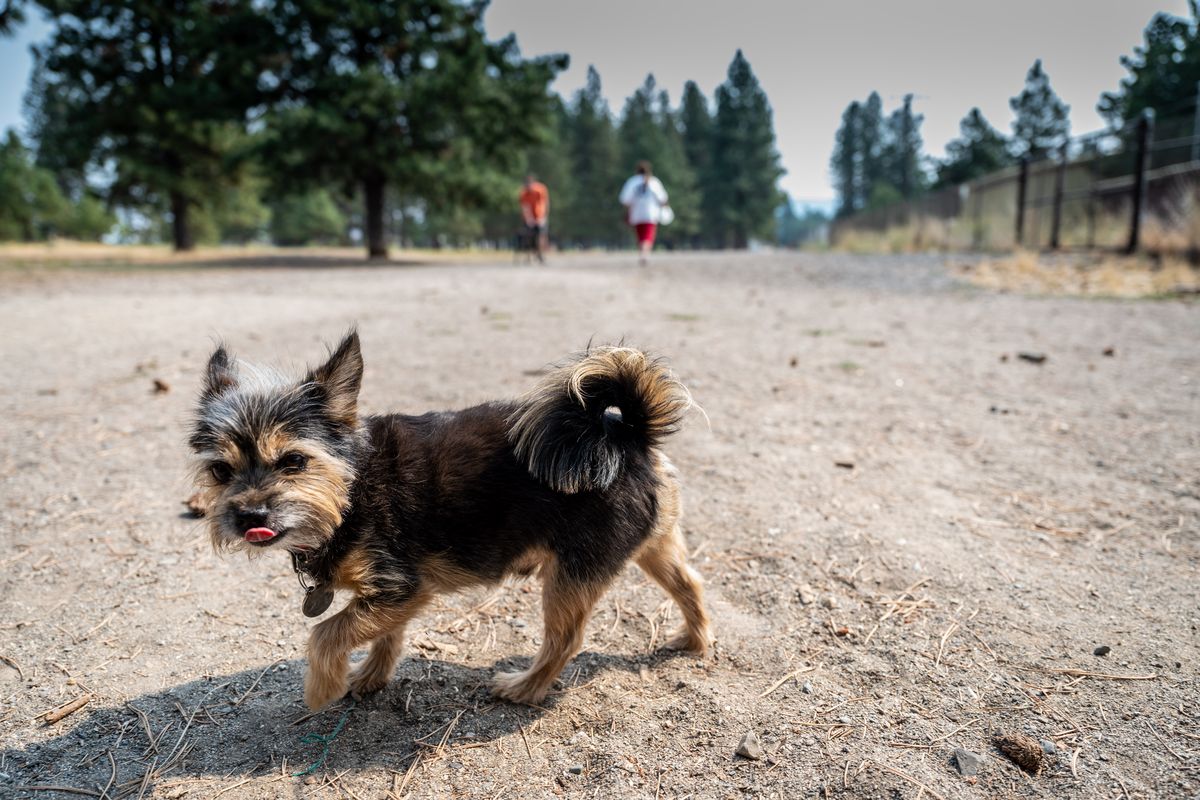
912, 540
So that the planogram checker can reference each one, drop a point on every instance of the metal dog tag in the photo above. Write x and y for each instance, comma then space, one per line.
317, 600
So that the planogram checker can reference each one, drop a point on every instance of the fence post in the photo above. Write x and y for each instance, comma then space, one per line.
1141, 165
1022, 180
1060, 180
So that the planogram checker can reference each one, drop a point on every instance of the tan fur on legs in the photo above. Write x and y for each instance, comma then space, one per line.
566, 607
331, 641
376, 670
664, 558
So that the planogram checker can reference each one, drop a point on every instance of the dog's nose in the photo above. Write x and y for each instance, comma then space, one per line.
248, 518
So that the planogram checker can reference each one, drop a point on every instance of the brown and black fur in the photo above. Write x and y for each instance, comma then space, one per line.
568, 481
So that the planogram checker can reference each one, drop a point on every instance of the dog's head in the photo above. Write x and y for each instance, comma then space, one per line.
276, 457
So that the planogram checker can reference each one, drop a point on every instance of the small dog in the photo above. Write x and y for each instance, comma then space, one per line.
568, 481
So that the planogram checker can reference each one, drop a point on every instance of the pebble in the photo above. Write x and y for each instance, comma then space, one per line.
1102, 650
579, 738
575, 769
1048, 747
750, 747
807, 688
807, 595
966, 762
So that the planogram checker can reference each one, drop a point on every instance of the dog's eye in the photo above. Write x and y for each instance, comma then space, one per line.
292, 463
220, 471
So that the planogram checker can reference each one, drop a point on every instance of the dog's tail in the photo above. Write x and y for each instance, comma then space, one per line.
581, 425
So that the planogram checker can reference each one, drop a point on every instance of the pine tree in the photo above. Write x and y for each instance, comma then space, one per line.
846, 162
1163, 72
696, 124
1042, 123
902, 154
403, 96
871, 139
595, 216
745, 162
979, 150
674, 168
149, 92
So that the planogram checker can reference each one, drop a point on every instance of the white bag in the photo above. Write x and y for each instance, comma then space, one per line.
665, 215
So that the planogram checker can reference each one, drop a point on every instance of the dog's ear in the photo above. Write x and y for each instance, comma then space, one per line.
341, 378
220, 374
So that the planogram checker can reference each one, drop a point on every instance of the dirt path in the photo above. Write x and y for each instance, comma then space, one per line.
911, 539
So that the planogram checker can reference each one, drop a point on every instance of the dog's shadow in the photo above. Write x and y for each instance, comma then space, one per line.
254, 723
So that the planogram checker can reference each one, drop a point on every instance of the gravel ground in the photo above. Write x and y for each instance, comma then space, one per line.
913, 540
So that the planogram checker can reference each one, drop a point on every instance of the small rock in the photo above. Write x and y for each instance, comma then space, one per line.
966, 762
1048, 747
644, 673
1102, 650
750, 747
807, 595
581, 737
575, 769
161, 386
1032, 358
807, 688
310, 780
1109, 351
829, 602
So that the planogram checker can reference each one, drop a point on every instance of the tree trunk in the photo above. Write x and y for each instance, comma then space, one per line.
181, 227
376, 241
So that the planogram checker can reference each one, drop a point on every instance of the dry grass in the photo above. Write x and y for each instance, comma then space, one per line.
1104, 276
66, 253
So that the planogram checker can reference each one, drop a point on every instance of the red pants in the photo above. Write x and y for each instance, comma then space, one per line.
645, 232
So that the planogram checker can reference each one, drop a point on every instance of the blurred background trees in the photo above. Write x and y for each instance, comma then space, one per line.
398, 121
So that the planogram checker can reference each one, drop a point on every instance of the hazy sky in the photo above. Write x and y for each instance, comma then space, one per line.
812, 56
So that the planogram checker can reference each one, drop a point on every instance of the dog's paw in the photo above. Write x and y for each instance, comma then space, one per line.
519, 687
321, 690
687, 640
368, 680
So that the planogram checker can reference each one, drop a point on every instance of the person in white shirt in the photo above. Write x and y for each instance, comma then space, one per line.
644, 199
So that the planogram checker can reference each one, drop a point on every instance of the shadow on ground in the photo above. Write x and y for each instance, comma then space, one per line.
253, 723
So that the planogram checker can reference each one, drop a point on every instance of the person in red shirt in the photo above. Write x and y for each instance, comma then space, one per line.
535, 208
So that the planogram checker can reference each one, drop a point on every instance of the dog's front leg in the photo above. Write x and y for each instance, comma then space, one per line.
331, 641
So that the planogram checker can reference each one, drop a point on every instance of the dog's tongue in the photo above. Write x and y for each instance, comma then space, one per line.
259, 534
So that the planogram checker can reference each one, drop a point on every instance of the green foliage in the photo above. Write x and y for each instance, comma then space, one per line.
595, 217
403, 93
308, 218
745, 164
696, 125
979, 150
902, 147
847, 178
149, 91
32, 206
1042, 123
1163, 72
876, 160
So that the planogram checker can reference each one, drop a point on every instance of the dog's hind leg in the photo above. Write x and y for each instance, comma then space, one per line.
664, 558
566, 606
